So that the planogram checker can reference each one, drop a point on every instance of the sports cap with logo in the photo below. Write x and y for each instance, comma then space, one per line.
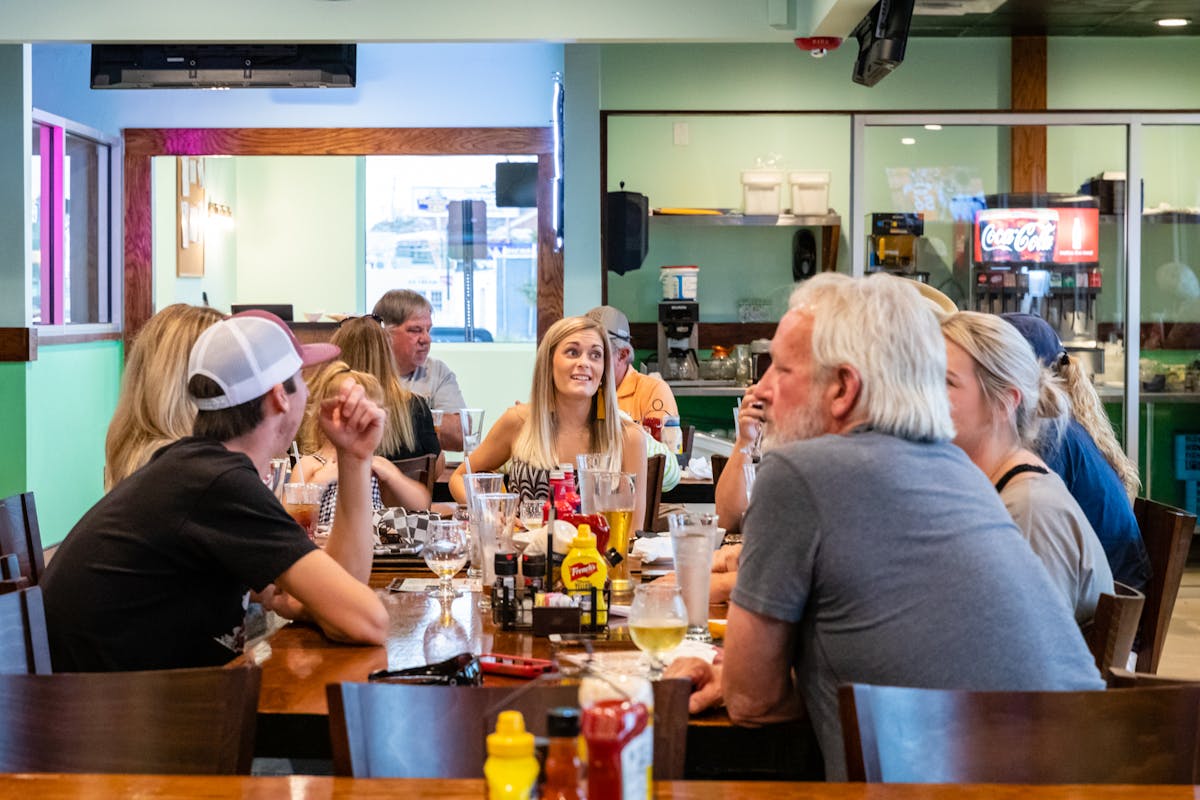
249, 353
616, 323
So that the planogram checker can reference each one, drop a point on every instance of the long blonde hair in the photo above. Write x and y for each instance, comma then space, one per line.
365, 347
154, 408
323, 386
1005, 360
535, 442
1088, 410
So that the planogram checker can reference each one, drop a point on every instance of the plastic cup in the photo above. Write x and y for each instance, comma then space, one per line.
493, 516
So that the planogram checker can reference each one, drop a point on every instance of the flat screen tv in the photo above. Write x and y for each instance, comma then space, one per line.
882, 35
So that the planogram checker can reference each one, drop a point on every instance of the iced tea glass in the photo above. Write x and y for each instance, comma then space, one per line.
303, 502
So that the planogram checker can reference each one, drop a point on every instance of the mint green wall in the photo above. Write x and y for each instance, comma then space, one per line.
13, 474
297, 232
1155, 72
66, 429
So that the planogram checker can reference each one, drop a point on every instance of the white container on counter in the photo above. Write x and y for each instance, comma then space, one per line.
810, 191
760, 191
680, 282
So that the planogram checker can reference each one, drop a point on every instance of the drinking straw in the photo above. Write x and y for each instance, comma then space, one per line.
298, 468
467, 464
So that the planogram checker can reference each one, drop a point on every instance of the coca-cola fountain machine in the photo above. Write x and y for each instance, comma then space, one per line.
1040, 254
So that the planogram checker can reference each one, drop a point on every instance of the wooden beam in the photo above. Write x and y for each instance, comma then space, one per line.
1028, 93
18, 344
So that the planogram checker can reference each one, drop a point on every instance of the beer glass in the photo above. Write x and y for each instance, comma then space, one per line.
475, 484
497, 514
614, 495
691, 542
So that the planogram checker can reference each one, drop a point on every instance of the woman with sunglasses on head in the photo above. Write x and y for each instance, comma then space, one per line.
1004, 406
572, 410
409, 430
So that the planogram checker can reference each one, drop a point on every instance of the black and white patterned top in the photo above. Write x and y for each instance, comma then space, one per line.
528, 481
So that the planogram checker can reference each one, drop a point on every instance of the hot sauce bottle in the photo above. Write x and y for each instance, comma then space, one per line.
563, 767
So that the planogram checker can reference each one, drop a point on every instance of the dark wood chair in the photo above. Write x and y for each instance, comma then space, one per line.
1110, 635
718, 466
687, 434
898, 734
1121, 678
1167, 533
20, 535
180, 721
24, 648
382, 730
654, 473
420, 469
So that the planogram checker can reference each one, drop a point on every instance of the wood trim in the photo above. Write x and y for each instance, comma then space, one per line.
48, 340
1027, 74
18, 344
142, 144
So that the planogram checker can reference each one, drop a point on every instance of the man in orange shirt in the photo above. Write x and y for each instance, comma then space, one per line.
640, 396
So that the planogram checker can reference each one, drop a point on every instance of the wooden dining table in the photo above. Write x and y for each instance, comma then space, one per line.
52, 786
298, 662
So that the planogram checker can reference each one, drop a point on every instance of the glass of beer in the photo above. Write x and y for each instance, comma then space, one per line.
657, 622
614, 496
303, 502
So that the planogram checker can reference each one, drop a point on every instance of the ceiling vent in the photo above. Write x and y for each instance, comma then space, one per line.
222, 66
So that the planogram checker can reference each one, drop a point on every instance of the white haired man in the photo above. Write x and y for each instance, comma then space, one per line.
875, 551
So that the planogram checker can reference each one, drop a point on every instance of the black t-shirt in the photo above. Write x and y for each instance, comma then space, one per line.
155, 575
427, 440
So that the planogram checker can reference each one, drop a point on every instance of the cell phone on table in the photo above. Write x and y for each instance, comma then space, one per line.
514, 666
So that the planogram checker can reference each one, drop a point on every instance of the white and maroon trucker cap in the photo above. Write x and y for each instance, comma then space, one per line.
249, 353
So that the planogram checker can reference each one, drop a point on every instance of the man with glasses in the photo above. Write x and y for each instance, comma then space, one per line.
408, 317
640, 396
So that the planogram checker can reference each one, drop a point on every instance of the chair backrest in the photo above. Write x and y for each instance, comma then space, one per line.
24, 647
718, 466
180, 721
382, 730
1110, 636
1167, 533
903, 735
19, 534
1121, 678
687, 434
654, 473
420, 469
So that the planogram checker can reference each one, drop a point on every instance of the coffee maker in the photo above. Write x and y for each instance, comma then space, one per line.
678, 338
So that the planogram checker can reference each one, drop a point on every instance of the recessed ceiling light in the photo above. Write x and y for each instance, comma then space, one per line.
933, 127
1172, 22
908, 140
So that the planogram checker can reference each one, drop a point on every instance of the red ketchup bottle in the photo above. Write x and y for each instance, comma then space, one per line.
619, 732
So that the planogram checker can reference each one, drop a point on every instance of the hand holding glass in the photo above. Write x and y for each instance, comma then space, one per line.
657, 622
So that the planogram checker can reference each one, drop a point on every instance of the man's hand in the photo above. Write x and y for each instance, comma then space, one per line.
352, 421
705, 678
750, 419
726, 558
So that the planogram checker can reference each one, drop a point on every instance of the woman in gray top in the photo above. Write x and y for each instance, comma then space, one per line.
1003, 404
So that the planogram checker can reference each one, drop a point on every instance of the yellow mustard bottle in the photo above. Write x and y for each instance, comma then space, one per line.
511, 770
584, 568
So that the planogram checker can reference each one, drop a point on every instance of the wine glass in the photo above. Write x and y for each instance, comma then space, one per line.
445, 553
530, 513
657, 622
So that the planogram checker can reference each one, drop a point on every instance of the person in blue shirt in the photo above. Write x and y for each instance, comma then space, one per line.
1090, 460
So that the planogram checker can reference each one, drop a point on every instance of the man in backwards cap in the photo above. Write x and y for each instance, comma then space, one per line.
155, 575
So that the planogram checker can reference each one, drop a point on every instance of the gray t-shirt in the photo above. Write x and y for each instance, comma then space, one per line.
899, 565
436, 383
1057, 530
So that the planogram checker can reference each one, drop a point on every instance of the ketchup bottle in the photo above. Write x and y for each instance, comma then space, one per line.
618, 726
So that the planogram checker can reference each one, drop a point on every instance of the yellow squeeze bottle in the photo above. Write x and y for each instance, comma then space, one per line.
511, 770
583, 568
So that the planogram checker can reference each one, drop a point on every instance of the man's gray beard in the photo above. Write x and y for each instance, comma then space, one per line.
806, 423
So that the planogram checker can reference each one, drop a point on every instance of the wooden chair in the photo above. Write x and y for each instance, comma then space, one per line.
898, 734
654, 473
1121, 678
1110, 635
180, 721
1167, 533
687, 434
420, 469
24, 647
19, 534
718, 466
382, 730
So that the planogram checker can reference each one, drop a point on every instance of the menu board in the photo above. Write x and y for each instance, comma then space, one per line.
192, 210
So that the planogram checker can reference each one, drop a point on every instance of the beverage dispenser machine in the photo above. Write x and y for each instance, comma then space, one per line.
1039, 254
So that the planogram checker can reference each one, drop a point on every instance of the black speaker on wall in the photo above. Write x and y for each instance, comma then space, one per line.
628, 237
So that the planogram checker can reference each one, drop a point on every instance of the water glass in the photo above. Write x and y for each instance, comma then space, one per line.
274, 478
749, 472
475, 484
691, 542
495, 515
585, 465
437, 414
472, 427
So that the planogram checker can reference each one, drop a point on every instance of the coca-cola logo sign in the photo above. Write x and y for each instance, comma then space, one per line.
1036, 235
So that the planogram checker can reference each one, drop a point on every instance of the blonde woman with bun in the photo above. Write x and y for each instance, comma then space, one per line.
389, 486
572, 410
1003, 405
154, 408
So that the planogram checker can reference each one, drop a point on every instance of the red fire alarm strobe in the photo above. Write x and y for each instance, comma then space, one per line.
818, 45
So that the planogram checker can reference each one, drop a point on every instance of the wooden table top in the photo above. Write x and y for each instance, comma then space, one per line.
309, 787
